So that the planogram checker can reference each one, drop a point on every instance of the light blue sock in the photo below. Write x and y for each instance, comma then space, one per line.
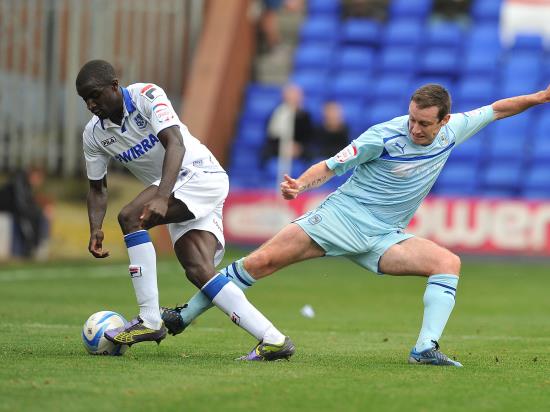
199, 303
439, 301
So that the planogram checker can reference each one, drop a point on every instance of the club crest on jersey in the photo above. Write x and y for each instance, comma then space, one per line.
109, 141
444, 139
313, 220
140, 121
346, 153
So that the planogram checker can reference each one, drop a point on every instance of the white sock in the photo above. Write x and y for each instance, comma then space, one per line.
232, 301
143, 271
439, 301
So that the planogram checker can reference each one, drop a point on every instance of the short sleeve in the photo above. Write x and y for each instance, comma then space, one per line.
96, 159
367, 147
157, 108
465, 125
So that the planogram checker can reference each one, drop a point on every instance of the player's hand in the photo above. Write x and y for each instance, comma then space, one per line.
290, 189
154, 212
96, 245
546, 95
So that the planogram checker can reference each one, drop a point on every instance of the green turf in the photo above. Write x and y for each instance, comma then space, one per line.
350, 356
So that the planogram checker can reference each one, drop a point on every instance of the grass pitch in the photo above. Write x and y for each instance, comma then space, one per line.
351, 356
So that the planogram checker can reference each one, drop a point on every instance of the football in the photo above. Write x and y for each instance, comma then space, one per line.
93, 329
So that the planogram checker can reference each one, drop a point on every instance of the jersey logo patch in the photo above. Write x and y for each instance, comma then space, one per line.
138, 150
109, 141
402, 148
150, 92
346, 153
163, 112
140, 121
313, 220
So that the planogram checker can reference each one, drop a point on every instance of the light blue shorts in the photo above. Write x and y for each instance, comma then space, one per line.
344, 227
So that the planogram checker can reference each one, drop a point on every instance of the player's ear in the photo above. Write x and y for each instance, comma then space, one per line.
445, 119
114, 84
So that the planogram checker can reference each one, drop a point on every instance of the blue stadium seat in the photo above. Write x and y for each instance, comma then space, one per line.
354, 113
523, 64
350, 85
403, 32
313, 82
320, 29
472, 149
486, 10
398, 60
440, 61
535, 194
251, 133
382, 112
313, 56
528, 42
324, 8
258, 107
353, 58
392, 87
484, 37
538, 178
478, 89
480, 62
362, 32
446, 81
515, 86
458, 179
507, 148
541, 127
445, 34
418, 9
505, 176
540, 150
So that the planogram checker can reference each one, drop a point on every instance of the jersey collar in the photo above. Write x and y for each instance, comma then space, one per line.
128, 106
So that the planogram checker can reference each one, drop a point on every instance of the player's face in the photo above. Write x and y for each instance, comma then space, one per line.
103, 101
424, 124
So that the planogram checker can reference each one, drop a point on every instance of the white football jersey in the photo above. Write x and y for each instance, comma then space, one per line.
147, 111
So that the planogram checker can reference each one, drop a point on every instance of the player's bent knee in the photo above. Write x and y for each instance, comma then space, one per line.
128, 220
199, 273
260, 264
448, 263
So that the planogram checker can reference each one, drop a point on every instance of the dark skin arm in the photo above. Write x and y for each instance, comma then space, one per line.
97, 206
155, 210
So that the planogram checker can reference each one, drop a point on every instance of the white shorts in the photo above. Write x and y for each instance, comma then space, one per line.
204, 193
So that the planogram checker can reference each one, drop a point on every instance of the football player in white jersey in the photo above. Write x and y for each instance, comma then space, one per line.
395, 165
185, 189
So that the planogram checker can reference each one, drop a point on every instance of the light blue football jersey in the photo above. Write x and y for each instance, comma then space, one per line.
393, 174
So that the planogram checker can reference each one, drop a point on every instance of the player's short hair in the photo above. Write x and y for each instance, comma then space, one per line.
99, 70
431, 95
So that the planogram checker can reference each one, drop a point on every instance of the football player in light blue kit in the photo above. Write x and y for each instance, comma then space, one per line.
396, 164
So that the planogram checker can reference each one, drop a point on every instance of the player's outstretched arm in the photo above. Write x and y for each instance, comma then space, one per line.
315, 176
97, 206
514, 105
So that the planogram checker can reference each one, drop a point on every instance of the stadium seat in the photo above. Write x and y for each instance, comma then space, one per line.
486, 10
402, 32
472, 149
251, 133
312, 82
258, 107
541, 126
352, 58
382, 112
484, 37
394, 87
418, 9
538, 178
540, 149
523, 64
528, 42
362, 32
506, 148
313, 56
401, 60
458, 179
440, 61
331, 8
512, 85
354, 113
321, 28
349, 85
480, 62
444, 34
446, 81
478, 89
505, 176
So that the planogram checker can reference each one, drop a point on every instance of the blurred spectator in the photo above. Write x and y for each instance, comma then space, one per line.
270, 34
333, 134
451, 9
289, 122
373, 9
31, 226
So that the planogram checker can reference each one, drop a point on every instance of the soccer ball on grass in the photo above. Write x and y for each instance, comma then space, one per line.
93, 330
